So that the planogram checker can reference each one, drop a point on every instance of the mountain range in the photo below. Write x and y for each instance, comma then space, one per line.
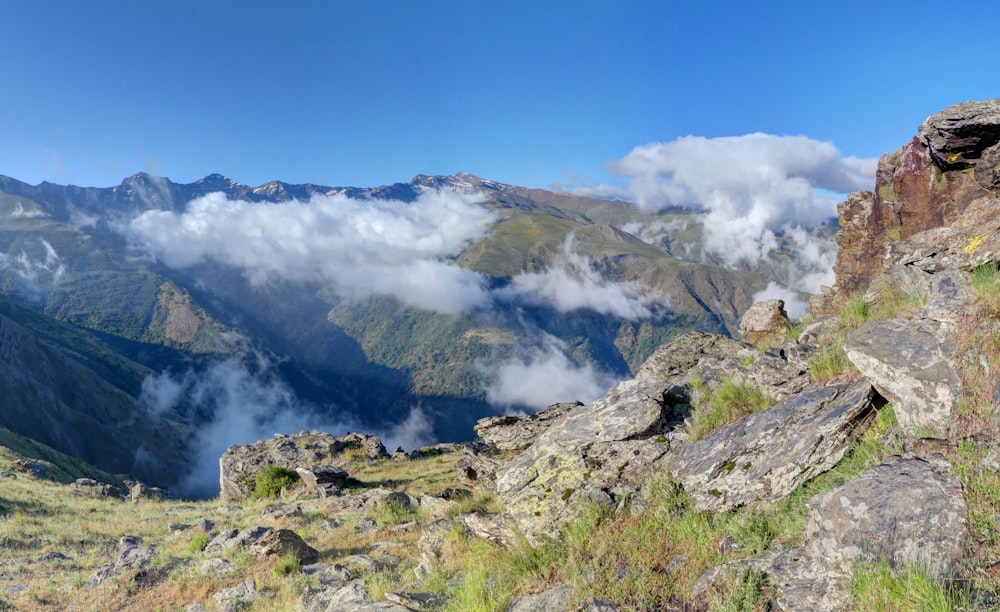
146, 327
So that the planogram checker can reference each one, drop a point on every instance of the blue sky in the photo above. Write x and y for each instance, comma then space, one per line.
532, 93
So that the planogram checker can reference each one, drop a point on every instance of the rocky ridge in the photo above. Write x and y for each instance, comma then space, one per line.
888, 457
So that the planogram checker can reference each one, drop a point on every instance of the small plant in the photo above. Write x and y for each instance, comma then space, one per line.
287, 565
392, 512
745, 595
726, 403
828, 365
878, 587
197, 543
986, 285
270, 479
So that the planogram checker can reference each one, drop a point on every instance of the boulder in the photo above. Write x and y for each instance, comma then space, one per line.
351, 597
92, 488
323, 480
281, 542
765, 322
958, 135
131, 557
238, 466
761, 458
478, 466
912, 364
904, 511
517, 433
238, 597
552, 599
138, 491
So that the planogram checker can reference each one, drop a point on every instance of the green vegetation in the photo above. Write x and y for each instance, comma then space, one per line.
986, 285
271, 479
828, 365
746, 595
392, 512
880, 588
197, 543
286, 565
724, 404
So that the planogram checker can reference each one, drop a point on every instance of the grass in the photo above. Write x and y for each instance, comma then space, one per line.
724, 404
830, 364
878, 587
986, 286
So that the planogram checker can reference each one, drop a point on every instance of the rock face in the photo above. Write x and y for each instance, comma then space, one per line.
911, 363
240, 463
904, 511
762, 457
764, 322
929, 183
516, 433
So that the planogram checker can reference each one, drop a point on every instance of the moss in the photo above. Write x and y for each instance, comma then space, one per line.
568, 493
887, 192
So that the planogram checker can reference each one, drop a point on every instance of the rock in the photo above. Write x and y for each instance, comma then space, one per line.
765, 322
238, 466
430, 547
903, 511
958, 135
365, 526
761, 458
279, 511
552, 599
435, 507
478, 466
238, 597
54, 557
492, 526
364, 563
434, 450
517, 433
92, 488
416, 601
912, 364
234, 538
216, 566
34, 469
327, 574
131, 556
281, 542
323, 480
352, 597
138, 491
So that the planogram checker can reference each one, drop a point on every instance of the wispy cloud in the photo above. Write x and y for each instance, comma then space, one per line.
363, 247
38, 271
572, 282
540, 374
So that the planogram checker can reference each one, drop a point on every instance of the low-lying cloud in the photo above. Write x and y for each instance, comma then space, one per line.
363, 247
572, 283
749, 187
542, 374
38, 271
242, 399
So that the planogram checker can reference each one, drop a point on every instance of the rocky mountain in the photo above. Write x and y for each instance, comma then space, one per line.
847, 462
206, 336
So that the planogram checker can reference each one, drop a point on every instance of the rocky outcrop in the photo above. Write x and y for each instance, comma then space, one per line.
323, 480
517, 433
929, 183
264, 542
131, 557
765, 322
762, 457
912, 364
239, 465
904, 511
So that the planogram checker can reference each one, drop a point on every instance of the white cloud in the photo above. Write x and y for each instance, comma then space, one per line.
363, 247
542, 375
810, 269
20, 212
572, 283
245, 400
39, 272
749, 186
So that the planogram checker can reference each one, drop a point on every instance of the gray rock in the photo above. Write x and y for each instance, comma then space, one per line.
761, 458
478, 466
131, 556
240, 596
92, 488
911, 363
280, 511
284, 542
239, 465
217, 566
416, 601
323, 480
492, 526
138, 491
365, 526
54, 557
435, 507
352, 597
957, 136
327, 574
904, 511
364, 563
553, 599
517, 433
233, 538
763, 322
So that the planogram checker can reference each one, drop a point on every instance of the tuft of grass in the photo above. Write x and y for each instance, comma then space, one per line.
876, 586
271, 479
197, 543
391, 512
986, 285
829, 364
745, 595
724, 404
287, 565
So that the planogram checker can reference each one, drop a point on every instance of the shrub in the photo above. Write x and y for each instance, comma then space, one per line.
270, 479
198, 543
724, 404
287, 565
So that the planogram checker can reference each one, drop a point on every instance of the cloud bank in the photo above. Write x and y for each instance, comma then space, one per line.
242, 399
572, 283
363, 247
542, 374
749, 186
